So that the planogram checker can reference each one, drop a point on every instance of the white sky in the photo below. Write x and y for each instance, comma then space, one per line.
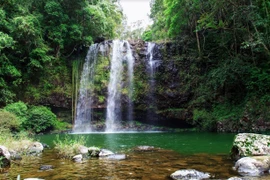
136, 10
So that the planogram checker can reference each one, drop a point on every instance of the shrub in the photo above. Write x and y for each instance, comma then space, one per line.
8, 122
69, 146
40, 119
203, 119
19, 109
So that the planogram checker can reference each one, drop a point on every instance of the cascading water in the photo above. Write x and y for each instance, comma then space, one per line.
121, 53
83, 109
153, 65
130, 61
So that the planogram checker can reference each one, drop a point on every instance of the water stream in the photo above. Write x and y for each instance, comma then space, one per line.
207, 152
84, 104
121, 53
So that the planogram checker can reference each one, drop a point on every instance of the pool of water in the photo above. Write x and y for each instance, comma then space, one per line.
184, 143
207, 152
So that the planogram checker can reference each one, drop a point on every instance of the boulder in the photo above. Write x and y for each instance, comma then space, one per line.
93, 151
116, 157
4, 157
105, 152
253, 166
77, 158
83, 149
35, 148
250, 144
187, 174
144, 148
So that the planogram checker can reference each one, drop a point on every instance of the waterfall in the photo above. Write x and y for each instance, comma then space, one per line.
121, 53
153, 64
130, 61
83, 109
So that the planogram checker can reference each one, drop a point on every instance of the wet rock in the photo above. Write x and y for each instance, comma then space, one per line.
83, 150
33, 179
105, 152
93, 151
116, 157
77, 158
250, 144
4, 157
241, 178
145, 148
45, 146
46, 167
187, 174
35, 148
253, 166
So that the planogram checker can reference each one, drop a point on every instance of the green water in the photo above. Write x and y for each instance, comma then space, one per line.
206, 152
184, 143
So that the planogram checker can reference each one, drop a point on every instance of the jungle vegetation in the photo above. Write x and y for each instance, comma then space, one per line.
227, 42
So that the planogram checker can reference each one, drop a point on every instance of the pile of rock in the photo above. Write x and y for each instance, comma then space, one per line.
85, 152
14, 153
252, 152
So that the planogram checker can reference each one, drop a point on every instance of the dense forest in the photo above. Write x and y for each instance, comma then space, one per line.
228, 42
225, 42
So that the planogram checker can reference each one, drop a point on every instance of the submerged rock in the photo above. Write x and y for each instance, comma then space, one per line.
253, 166
46, 167
187, 174
250, 144
145, 148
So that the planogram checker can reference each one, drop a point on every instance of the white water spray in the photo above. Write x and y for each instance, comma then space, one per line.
121, 53
83, 108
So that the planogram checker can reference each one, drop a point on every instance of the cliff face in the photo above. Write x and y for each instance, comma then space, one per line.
160, 93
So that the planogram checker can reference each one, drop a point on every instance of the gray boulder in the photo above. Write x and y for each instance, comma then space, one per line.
35, 148
105, 152
116, 157
77, 158
250, 144
253, 166
188, 174
83, 149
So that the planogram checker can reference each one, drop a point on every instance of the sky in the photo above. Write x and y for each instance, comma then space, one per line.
136, 10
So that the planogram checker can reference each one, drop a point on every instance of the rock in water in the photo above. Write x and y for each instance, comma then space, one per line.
45, 167
4, 157
105, 152
35, 148
77, 158
145, 148
116, 157
250, 144
188, 174
253, 166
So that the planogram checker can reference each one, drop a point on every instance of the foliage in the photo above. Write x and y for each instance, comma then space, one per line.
40, 119
36, 38
19, 109
68, 146
230, 42
9, 122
